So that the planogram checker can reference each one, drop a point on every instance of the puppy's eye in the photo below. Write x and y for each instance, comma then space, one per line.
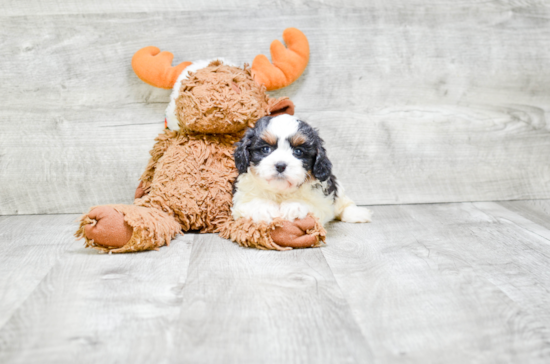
298, 152
266, 150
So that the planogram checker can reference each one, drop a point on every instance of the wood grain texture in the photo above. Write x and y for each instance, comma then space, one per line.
264, 307
429, 103
35, 7
537, 211
456, 282
73, 160
78, 159
452, 283
203, 299
361, 59
437, 154
29, 247
88, 307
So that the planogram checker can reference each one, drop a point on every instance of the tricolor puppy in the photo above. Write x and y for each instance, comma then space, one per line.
284, 172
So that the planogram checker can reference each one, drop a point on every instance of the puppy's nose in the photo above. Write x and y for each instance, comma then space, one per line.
280, 167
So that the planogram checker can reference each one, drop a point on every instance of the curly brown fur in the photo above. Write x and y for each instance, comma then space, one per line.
163, 141
220, 99
250, 234
196, 179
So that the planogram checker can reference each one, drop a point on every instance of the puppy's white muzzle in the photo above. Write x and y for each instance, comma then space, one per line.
281, 170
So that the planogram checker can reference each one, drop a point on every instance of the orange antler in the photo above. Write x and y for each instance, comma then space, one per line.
288, 64
155, 67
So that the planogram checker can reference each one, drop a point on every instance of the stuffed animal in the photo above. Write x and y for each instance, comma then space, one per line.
188, 182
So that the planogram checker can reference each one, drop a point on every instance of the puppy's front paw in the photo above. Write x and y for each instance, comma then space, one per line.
292, 210
266, 212
259, 210
356, 214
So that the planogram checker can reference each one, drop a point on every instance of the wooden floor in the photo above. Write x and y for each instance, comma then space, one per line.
446, 283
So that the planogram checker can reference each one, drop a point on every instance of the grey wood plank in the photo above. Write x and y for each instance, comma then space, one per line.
29, 247
436, 154
445, 283
361, 59
92, 307
537, 211
250, 306
451, 283
78, 159
74, 159
505, 215
444, 103
35, 7
231, 305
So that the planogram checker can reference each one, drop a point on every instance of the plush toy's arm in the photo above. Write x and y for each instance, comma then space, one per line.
163, 141
277, 235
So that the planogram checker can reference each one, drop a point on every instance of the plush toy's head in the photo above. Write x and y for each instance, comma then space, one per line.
218, 97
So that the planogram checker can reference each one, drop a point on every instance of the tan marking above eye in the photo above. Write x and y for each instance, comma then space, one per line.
269, 138
297, 139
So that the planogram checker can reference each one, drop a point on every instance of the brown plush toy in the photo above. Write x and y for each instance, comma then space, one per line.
188, 182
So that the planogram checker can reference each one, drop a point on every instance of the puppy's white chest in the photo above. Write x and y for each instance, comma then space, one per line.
253, 200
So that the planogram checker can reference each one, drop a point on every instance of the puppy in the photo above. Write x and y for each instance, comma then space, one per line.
284, 172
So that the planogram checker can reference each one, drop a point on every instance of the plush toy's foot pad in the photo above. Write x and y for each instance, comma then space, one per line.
294, 234
126, 228
109, 229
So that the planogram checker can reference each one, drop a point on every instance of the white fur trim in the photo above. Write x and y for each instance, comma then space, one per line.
170, 113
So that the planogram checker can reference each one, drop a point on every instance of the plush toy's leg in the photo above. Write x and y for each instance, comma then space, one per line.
126, 228
277, 235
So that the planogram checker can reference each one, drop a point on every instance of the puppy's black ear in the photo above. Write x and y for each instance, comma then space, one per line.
242, 154
322, 168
